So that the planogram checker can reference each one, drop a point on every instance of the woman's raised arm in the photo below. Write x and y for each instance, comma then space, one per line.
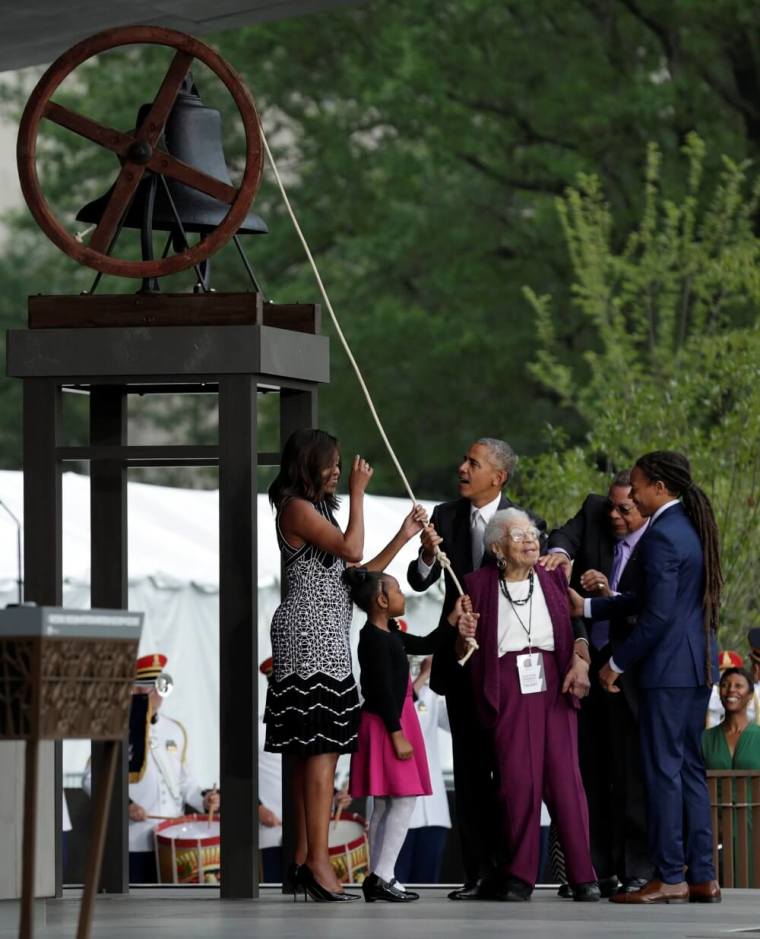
301, 523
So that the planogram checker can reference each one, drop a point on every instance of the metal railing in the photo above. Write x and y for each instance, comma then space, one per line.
735, 806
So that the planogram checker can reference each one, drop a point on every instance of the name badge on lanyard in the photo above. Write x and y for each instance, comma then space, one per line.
530, 671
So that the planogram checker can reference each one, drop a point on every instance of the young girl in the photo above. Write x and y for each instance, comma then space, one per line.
390, 764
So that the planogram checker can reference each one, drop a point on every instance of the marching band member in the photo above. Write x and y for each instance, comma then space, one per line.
160, 782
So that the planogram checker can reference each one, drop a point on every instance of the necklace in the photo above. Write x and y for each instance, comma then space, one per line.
515, 603
510, 599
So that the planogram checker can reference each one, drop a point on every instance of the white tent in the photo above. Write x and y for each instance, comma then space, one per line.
174, 580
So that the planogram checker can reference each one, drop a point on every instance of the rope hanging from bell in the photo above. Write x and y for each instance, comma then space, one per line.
440, 556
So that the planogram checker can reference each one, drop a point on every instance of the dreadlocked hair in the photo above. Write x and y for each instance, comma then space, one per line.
673, 470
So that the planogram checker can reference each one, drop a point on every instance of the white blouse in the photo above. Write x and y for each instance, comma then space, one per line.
512, 636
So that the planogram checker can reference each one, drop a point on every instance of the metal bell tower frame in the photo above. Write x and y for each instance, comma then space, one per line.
234, 346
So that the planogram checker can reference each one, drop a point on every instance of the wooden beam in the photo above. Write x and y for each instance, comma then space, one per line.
170, 309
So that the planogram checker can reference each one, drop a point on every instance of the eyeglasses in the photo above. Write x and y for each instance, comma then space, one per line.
519, 535
616, 507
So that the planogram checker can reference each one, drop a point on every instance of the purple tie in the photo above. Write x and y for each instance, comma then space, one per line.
600, 631
618, 558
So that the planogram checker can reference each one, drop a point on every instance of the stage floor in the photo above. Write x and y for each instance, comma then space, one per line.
168, 913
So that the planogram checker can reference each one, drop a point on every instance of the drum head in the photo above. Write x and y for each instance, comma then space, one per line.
189, 830
343, 832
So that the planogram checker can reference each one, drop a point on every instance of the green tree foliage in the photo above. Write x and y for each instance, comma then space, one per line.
424, 146
675, 361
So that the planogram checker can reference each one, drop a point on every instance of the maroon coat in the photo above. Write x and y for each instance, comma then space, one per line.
483, 587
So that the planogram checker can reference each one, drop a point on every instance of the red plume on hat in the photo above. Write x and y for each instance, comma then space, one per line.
729, 659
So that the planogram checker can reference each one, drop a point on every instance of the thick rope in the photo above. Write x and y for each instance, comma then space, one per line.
439, 555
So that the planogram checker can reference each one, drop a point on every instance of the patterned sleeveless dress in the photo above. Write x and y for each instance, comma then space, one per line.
312, 701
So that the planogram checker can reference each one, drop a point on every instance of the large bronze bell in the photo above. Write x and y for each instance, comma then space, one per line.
193, 134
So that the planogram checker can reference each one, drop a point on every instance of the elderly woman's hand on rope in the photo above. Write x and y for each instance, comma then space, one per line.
461, 607
467, 624
576, 678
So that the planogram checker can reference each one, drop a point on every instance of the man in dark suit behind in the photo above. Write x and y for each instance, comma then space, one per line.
602, 541
673, 649
458, 528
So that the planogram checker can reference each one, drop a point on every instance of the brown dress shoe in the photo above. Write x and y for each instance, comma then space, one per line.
708, 892
655, 891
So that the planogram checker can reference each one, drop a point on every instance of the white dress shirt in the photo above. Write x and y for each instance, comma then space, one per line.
512, 636
486, 512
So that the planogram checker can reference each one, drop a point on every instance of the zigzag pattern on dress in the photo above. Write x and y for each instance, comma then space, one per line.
313, 707
309, 690
313, 746
312, 715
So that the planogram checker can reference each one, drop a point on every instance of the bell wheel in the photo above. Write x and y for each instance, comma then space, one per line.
138, 152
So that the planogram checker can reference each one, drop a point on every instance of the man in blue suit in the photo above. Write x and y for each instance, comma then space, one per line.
673, 653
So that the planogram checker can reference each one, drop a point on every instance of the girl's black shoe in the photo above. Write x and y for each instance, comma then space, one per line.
312, 888
374, 888
412, 894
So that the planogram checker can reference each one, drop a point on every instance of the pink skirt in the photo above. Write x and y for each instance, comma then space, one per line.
375, 768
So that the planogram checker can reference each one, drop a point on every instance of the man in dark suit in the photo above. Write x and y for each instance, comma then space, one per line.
673, 648
602, 541
458, 528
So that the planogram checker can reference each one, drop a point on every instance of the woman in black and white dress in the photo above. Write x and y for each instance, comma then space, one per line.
313, 706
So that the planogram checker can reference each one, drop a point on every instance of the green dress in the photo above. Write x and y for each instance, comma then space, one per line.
746, 756
716, 753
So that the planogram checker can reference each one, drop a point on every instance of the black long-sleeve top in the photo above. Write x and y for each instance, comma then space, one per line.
385, 669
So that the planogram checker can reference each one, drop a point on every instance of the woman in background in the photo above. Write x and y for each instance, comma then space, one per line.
735, 742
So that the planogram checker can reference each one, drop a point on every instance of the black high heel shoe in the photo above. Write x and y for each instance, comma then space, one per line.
293, 879
316, 891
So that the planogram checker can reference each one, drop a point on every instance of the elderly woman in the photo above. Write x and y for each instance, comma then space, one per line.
527, 682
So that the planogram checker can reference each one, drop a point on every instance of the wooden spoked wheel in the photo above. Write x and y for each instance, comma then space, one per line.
138, 152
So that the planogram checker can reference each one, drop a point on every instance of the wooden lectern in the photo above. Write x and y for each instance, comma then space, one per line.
66, 674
